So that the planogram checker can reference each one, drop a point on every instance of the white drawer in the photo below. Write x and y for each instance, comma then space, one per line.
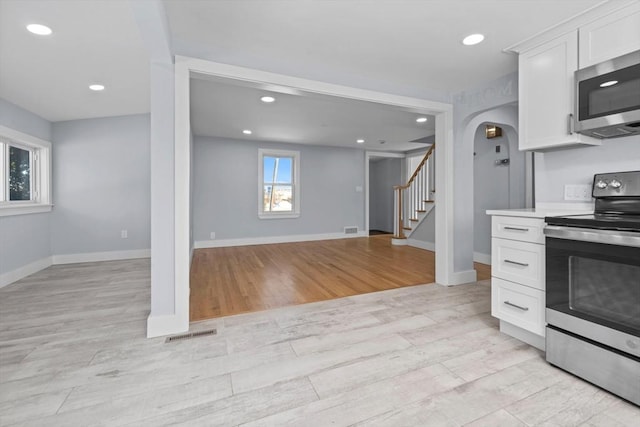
518, 228
518, 262
519, 305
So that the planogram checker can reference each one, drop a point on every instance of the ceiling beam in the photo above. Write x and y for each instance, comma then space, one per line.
152, 21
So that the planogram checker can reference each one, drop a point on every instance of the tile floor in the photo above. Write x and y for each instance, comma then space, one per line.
73, 352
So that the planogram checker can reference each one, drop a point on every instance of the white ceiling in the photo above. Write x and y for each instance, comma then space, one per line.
407, 47
220, 109
93, 41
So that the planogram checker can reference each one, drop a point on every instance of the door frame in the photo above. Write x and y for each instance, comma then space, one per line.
185, 68
367, 158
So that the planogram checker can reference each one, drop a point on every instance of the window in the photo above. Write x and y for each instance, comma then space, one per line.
24, 173
278, 184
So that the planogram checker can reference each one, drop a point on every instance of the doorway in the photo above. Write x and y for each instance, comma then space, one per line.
384, 174
499, 176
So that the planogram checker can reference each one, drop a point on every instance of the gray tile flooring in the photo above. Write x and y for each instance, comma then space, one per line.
73, 352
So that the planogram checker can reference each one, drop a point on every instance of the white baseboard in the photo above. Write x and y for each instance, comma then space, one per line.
429, 246
24, 271
530, 338
31, 268
482, 258
462, 277
200, 244
101, 256
161, 325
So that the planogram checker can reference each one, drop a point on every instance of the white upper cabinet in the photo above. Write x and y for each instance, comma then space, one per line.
546, 92
610, 36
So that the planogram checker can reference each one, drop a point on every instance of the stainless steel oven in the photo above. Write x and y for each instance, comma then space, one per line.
593, 288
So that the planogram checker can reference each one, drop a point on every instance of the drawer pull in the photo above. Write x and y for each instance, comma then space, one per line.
516, 228
521, 264
516, 306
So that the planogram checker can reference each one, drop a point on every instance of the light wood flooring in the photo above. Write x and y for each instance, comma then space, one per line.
73, 352
233, 280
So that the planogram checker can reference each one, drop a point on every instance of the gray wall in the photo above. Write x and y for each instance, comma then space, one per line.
495, 187
578, 165
426, 231
384, 174
226, 190
101, 185
467, 105
23, 238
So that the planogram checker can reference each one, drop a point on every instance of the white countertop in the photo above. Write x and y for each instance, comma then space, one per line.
539, 212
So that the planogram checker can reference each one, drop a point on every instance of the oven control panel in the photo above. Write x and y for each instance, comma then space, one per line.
618, 184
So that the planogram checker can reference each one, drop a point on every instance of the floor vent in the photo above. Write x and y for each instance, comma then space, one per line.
191, 335
351, 230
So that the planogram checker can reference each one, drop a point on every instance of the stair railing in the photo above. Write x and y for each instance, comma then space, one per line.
410, 198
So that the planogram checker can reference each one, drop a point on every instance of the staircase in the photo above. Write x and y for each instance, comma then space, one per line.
415, 199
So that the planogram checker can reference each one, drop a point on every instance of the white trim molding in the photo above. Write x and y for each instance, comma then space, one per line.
40, 173
101, 256
186, 68
428, 246
24, 271
247, 241
482, 258
158, 326
33, 267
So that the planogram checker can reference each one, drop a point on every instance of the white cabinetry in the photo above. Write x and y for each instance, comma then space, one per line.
610, 36
518, 277
547, 95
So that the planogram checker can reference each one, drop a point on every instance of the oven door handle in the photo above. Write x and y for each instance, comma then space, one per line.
610, 237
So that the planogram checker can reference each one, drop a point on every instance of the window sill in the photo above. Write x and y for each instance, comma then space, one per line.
9, 210
278, 216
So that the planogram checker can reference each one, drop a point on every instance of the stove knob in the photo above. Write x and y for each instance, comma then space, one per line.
601, 184
615, 183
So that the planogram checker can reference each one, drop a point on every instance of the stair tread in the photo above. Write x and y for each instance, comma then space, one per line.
428, 201
413, 219
407, 228
420, 210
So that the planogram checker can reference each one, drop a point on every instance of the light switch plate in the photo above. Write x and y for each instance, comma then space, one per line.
577, 193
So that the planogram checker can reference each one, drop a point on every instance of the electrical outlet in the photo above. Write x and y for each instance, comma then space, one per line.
580, 193
212, 235
124, 234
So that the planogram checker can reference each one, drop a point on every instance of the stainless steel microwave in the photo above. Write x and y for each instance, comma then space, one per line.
608, 98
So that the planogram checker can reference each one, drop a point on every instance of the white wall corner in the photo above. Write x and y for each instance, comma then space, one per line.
24, 271
101, 256
161, 325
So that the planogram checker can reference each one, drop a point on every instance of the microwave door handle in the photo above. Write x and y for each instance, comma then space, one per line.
570, 124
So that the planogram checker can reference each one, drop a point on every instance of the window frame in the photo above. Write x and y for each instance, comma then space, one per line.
40, 171
295, 190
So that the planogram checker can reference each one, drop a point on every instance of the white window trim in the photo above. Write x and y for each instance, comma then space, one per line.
262, 152
41, 174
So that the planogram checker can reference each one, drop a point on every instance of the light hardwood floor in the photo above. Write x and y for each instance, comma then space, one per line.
73, 353
233, 280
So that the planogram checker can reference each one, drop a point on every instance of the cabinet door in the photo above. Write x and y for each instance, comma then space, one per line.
519, 305
610, 36
546, 91
519, 262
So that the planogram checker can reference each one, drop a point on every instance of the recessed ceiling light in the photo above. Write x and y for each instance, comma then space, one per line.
360, 141
97, 88
267, 99
473, 39
247, 132
39, 29
609, 83
421, 119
